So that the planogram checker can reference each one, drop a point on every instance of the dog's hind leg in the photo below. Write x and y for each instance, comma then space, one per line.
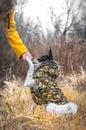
33, 106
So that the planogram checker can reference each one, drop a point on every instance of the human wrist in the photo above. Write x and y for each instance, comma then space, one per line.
27, 54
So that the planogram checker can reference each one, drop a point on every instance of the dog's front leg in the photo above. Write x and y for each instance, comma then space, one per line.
33, 106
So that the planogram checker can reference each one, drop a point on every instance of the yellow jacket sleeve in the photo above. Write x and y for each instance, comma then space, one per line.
13, 36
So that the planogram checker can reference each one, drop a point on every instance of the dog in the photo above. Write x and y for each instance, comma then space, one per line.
57, 104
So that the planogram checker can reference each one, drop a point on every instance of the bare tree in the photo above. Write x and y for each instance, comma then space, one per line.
63, 28
79, 23
56, 22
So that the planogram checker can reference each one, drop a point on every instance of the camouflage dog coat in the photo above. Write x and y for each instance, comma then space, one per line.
48, 91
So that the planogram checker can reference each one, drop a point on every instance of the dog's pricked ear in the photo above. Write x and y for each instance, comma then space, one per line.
50, 54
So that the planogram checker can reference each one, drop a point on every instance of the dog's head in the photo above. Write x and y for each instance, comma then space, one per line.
44, 59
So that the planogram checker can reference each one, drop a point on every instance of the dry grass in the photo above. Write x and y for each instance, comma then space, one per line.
15, 100
14, 107
70, 54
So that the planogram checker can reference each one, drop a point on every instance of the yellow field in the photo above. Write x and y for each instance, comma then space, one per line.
15, 102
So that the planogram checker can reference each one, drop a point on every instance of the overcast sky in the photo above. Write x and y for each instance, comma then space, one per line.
41, 9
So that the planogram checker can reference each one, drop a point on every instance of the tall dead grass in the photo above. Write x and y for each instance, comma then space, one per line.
15, 105
71, 55
15, 100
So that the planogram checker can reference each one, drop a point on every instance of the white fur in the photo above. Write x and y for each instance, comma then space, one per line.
69, 108
29, 80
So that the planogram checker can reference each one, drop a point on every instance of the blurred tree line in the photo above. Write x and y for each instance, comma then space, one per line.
74, 29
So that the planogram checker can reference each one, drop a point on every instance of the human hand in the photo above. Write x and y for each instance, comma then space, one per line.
27, 54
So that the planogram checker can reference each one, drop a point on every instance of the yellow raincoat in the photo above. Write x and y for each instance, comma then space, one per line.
13, 36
